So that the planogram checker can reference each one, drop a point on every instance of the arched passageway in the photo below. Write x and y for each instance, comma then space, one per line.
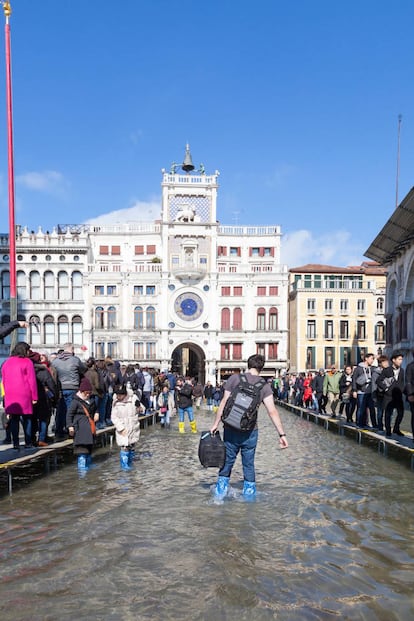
189, 359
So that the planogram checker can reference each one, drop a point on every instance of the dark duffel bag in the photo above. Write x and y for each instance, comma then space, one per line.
211, 450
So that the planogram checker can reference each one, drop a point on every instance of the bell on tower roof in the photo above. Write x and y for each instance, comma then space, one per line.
187, 165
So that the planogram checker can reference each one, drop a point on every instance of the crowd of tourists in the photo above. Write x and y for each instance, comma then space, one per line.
370, 395
57, 396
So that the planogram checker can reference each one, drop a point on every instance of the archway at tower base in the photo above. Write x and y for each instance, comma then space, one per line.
189, 359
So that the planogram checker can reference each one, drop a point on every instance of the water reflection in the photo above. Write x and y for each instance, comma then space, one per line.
329, 537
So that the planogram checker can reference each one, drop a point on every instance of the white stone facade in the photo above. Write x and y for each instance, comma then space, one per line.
183, 291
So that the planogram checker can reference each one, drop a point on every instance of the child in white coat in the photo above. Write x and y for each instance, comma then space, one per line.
125, 416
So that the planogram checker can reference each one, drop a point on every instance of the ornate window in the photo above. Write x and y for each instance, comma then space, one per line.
99, 317
273, 319
49, 286
34, 330
77, 330
77, 286
261, 319
63, 286
63, 330
49, 330
21, 286
151, 317
237, 319
138, 318
111, 317
225, 319
35, 286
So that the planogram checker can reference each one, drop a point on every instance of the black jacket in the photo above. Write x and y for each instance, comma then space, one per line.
409, 379
47, 391
391, 388
77, 418
184, 395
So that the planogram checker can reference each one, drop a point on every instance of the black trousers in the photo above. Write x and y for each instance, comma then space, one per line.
389, 409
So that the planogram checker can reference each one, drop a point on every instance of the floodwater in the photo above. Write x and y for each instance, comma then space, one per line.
330, 536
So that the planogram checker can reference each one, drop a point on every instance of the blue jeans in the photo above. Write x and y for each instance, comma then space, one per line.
62, 409
244, 441
182, 411
364, 401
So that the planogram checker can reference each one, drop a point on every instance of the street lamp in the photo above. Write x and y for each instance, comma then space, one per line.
12, 226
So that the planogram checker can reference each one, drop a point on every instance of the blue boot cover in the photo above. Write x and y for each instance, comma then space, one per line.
82, 462
249, 490
221, 488
131, 457
124, 460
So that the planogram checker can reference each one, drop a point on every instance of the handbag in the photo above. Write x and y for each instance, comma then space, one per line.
211, 450
91, 421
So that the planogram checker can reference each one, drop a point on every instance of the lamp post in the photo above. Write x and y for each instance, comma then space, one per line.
12, 226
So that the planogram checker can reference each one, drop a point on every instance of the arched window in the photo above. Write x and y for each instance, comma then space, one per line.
49, 285
138, 318
77, 330
99, 317
273, 319
380, 305
225, 319
63, 286
49, 329
5, 285
35, 286
151, 317
63, 330
21, 285
77, 286
261, 319
237, 319
34, 330
111, 317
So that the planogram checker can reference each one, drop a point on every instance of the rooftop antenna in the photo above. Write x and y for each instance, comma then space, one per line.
398, 161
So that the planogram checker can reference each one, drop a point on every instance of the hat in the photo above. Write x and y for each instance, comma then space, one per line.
321, 370
85, 385
34, 356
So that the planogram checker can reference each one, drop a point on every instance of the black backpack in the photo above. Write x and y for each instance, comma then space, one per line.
240, 411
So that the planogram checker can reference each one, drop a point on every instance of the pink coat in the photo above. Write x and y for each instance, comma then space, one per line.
20, 388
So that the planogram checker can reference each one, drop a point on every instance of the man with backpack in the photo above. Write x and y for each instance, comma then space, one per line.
242, 397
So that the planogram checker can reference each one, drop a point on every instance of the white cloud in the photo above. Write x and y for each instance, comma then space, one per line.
49, 181
336, 248
141, 211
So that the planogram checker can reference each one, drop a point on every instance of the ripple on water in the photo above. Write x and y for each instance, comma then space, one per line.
330, 536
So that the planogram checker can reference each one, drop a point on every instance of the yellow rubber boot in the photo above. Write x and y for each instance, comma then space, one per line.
193, 426
181, 427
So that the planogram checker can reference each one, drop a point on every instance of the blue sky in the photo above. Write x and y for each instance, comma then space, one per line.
296, 103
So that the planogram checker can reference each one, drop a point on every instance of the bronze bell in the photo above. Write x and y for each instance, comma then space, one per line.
188, 165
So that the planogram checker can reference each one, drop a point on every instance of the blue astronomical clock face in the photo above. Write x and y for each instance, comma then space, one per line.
188, 306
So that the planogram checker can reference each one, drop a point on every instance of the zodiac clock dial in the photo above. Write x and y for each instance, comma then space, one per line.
188, 306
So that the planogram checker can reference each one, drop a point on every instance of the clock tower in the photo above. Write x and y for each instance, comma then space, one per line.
189, 232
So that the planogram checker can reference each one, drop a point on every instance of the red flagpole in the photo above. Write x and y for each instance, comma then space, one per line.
12, 226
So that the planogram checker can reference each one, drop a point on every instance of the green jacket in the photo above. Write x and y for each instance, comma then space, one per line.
331, 383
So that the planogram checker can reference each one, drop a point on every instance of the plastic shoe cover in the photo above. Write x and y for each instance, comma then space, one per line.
249, 490
193, 426
131, 457
181, 427
221, 488
82, 462
124, 460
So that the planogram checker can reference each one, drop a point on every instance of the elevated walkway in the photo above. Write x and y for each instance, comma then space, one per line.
45, 459
398, 447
